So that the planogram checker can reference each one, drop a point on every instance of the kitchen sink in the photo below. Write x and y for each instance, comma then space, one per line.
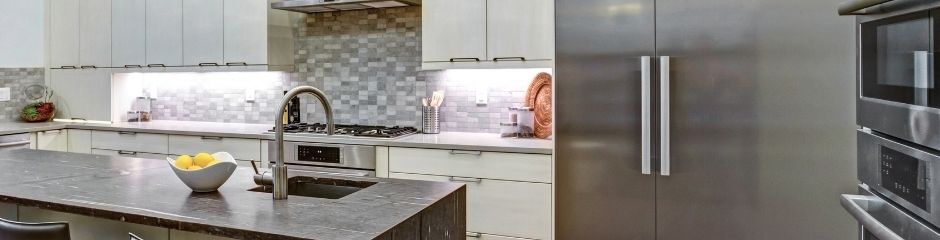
318, 187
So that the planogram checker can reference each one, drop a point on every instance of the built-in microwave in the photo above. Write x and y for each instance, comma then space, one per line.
898, 93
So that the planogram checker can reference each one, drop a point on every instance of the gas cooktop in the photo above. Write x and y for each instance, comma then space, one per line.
349, 130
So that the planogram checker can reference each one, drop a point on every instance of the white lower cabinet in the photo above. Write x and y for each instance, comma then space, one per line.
241, 149
130, 141
52, 140
91, 228
79, 140
502, 208
509, 195
125, 153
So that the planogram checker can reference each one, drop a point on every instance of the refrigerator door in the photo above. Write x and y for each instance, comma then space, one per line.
760, 98
601, 190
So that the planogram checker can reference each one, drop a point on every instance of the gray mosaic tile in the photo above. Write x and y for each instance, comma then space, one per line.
17, 79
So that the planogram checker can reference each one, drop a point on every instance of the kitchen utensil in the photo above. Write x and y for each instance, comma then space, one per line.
539, 98
430, 120
208, 179
510, 129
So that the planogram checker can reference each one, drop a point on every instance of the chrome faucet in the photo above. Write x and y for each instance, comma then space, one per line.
279, 169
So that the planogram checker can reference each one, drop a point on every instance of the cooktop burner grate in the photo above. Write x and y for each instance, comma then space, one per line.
350, 130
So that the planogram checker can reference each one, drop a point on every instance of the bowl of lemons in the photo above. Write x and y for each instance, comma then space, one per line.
204, 172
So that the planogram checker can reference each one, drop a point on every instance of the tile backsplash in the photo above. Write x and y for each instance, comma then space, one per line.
17, 79
367, 61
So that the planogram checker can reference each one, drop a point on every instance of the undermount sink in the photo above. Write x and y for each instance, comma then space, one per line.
318, 187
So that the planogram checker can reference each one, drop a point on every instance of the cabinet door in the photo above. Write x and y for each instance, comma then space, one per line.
164, 32
202, 31
128, 33
63, 33
82, 93
453, 29
95, 33
520, 28
125, 153
52, 140
246, 31
79, 141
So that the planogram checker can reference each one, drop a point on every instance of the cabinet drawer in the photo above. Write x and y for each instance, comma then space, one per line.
241, 149
129, 141
490, 165
129, 154
481, 236
505, 208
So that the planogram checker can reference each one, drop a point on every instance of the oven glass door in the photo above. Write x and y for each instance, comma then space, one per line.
897, 59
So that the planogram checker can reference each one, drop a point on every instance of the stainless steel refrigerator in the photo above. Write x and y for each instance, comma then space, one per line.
690, 119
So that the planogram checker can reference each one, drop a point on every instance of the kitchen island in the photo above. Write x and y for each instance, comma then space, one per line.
146, 191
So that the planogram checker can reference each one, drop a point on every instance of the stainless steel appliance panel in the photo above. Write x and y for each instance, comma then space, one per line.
760, 109
601, 190
350, 156
919, 197
15, 141
879, 219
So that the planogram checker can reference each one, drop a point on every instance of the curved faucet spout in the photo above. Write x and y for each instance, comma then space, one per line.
279, 169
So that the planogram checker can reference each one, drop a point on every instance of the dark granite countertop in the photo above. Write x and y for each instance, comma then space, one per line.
147, 192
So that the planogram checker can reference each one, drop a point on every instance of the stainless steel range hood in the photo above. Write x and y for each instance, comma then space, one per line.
314, 6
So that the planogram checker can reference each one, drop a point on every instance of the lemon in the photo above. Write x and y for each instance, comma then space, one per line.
203, 159
183, 162
194, 168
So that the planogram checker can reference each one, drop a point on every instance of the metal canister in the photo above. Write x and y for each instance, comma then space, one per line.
431, 120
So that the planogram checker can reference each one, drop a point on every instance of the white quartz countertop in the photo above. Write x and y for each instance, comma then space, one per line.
445, 140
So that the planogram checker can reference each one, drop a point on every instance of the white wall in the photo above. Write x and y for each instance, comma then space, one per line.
22, 39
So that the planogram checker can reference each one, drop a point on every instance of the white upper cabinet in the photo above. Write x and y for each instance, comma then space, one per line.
95, 33
487, 34
453, 30
164, 27
520, 29
83, 93
128, 36
202, 32
245, 30
63, 33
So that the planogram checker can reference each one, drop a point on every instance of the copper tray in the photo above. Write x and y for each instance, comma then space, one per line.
539, 97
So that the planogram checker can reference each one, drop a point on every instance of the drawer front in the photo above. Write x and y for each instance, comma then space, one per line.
481, 236
241, 149
504, 208
490, 165
133, 154
129, 141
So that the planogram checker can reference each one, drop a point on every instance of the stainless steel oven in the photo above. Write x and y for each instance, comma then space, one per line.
898, 197
338, 159
897, 92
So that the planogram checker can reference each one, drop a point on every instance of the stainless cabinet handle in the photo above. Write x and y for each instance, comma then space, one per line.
872, 225
473, 234
10, 144
133, 66
130, 153
156, 65
78, 118
88, 66
461, 152
664, 164
466, 180
464, 59
68, 67
208, 64
236, 64
127, 133
211, 138
646, 114
509, 58
852, 7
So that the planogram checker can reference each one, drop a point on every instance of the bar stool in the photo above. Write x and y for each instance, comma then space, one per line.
10, 230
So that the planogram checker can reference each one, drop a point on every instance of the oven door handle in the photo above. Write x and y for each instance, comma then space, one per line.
852, 7
853, 204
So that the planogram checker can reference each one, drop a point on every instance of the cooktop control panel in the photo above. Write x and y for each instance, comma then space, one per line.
905, 176
318, 154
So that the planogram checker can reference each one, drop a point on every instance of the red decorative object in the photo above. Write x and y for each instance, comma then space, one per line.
38, 112
539, 98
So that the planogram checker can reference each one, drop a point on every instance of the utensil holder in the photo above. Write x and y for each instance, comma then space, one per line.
431, 120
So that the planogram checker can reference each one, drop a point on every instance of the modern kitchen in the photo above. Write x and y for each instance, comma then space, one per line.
469, 119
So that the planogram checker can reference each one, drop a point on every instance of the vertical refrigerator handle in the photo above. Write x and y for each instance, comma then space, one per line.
664, 166
646, 114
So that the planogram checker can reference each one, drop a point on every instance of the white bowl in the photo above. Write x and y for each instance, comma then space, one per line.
208, 179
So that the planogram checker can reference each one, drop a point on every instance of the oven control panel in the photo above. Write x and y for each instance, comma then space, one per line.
318, 154
905, 176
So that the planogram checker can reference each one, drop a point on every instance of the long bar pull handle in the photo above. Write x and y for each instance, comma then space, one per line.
853, 6
646, 114
664, 165
872, 225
